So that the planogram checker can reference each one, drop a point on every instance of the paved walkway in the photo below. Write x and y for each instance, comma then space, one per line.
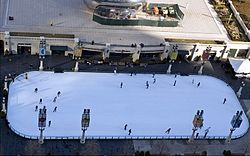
12, 144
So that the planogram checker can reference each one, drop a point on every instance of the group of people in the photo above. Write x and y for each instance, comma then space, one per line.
44, 107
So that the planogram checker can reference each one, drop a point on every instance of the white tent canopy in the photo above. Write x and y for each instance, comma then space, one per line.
241, 66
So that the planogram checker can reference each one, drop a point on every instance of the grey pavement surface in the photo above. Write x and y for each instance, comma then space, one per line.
12, 144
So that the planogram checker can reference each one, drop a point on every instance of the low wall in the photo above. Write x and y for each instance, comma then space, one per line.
134, 22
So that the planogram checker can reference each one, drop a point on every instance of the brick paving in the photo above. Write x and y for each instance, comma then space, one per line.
12, 144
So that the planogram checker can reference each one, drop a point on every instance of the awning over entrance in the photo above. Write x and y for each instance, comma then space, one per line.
58, 48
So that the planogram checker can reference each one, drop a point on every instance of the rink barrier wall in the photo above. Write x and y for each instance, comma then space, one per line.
120, 137
131, 137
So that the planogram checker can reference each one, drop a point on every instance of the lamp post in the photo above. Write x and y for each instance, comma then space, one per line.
42, 52
41, 123
197, 123
6, 83
169, 67
235, 122
76, 67
4, 105
85, 124
240, 89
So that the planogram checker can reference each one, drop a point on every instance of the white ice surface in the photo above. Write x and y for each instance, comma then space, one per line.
148, 112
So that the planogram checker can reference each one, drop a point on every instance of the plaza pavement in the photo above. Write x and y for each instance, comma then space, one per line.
12, 144
73, 17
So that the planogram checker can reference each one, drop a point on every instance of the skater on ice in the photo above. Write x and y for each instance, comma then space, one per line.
55, 109
197, 134
125, 127
154, 80
206, 132
121, 84
129, 131
147, 85
49, 123
168, 130
174, 82
58, 93
54, 100
44, 108
36, 90
193, 81
26, 75
224, 101
40, 101
153, 75
36, 108
198, 85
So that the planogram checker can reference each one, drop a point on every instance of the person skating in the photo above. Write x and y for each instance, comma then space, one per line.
55, 109
121, 84
154, 80
174, 82
54, 100
224, 101
36, 90
49, 123
40, 101
125, 127
198, 85
58, 93
129, 131
36, 108
168, 130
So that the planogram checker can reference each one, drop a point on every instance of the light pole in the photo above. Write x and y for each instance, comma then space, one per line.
76, 67
41, 123
201, 69
240, 89
42, 52
4, 105
169, 67
85, 124
197, 123
235, 122
6, 83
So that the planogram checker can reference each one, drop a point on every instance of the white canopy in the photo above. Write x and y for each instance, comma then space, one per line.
241, 66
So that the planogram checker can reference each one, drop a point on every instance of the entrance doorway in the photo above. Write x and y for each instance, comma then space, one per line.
58, 50
24, 48
1, 47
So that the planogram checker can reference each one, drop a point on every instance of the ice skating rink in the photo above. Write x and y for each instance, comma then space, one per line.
147, 112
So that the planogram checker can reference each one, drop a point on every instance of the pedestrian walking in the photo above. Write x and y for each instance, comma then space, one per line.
55, 109
54, 100
49, 123
224, 101
174, 82
129, 131
121, 84
36, 90
41, 101
168, 130
197, 134
36, 108
198, 85
58, 93
154, 80
125, 127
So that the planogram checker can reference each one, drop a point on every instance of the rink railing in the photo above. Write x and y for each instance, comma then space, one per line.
120, 137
